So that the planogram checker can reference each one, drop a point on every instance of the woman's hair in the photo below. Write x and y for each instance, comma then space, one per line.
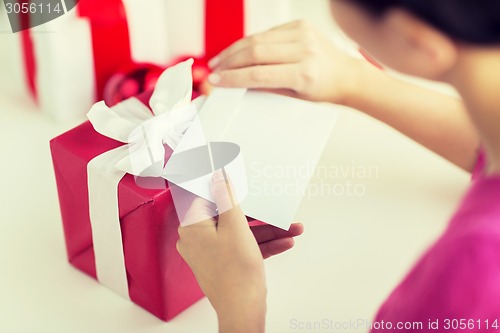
472, 21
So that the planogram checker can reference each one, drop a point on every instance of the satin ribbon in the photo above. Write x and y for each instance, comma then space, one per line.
224, 25
28, 52
110, 38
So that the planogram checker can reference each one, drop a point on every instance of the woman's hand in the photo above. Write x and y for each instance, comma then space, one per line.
226, 260
294, 59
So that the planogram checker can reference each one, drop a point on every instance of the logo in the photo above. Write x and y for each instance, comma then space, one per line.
26, 14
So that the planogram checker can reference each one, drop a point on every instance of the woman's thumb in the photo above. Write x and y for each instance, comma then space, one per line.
225, 197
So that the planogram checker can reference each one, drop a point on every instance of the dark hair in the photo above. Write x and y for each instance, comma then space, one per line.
471, 21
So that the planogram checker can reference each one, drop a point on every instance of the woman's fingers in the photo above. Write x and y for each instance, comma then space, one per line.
273, 241
285, 76
266, 233
296, 229
283, 91
200, 214
197, 227
276, 247
230, 213
263, 54
277, 35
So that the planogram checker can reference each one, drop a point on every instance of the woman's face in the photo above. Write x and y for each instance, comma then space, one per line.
362, 27
396, 39
356, 22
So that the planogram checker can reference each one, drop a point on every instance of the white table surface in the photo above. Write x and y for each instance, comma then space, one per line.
353, 253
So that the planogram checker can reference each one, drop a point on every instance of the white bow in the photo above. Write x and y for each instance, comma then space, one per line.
144, 131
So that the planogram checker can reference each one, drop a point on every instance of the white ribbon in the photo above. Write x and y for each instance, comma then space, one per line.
145, 134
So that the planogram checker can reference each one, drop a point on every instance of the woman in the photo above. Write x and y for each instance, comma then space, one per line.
455, 286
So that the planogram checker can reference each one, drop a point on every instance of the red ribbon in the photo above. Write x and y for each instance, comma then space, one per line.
28, 51
224, 24
110, 38
29, 61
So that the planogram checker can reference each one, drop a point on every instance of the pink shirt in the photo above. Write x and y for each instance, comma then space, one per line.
455, 287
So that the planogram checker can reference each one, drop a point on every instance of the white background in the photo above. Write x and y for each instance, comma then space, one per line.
354, 251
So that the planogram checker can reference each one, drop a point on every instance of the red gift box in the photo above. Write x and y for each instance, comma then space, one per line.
158, 278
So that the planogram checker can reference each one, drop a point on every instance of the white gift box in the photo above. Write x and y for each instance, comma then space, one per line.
65, 58
160, 31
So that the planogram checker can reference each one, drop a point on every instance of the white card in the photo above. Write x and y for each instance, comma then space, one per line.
281, 140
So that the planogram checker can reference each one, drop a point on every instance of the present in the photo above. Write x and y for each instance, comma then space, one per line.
119, 228
104, 50
77, 53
